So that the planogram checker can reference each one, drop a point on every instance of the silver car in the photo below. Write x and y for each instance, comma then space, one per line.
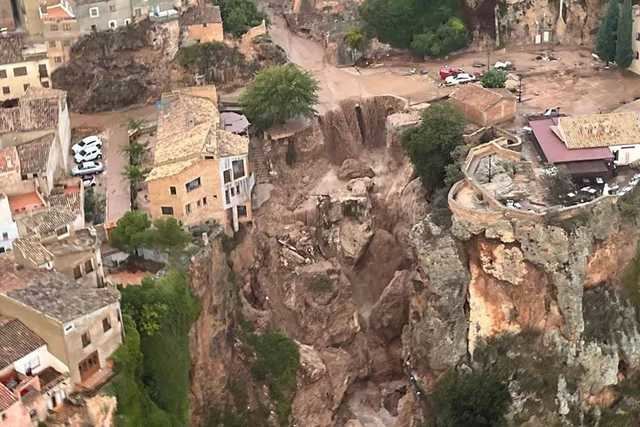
87, 168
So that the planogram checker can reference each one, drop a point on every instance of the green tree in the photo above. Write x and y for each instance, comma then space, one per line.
135, 151
94, 206
239, 15
168, 235
494, 78
476, 399
131, 232
624, 50
355, 39
606, 39
278, 94
430, 145
136, 175
426, 44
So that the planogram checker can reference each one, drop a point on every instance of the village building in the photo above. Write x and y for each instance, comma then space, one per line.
32, 380
635, 40
200, 172
20, 67
589, 145
81, 325
102, 15
484, 107
8, 227
8, 16
60, 30
145, 8
202, 24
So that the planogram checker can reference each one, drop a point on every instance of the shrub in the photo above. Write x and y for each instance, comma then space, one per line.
355, 39
445, 39
494, 78
239, 15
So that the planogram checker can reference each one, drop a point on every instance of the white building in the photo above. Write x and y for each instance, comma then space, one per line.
635, 41
8, 227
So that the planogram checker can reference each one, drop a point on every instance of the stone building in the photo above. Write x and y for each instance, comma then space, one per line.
484, 107
80, 324
102, 15
202, 24
60, 30
200, 172
635, 34
21, 68
8, 227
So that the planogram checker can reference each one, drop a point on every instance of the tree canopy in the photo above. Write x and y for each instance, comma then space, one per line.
624, 50
477, 399
134, 231
607, 33
494, 78
239, 15
278, 94
429, 28
431, 145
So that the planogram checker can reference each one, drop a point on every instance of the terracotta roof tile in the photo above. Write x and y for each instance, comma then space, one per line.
204, 14
600, 130
11, 45
48, 221
7, 398
480, 97
16, 341
34, 155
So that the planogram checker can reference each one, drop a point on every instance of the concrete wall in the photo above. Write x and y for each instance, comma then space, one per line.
501, 112
67, 264
115, 10
626, 153
16, 415
17, 84
7, 225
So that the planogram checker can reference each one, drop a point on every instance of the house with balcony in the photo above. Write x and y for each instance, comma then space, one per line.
21, 67
81, 325
200, 171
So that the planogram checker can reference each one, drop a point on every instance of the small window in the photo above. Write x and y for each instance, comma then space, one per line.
106, 324
77, 272
88, 266
94, 12
94, 28
192, 185
638, 37
66, 43
54, 27
172, 190
5, 236
113, 24
3, 416
52, 43
19, 71
242, 211
45, 85
66, 27
68, 328
233, 191
187, 208
237, 189
204, 201
226, 196
137, 12
57, 60
166, 210
42, 70
118, 316
86, 339
238, 169
3, 74
198, 203
26, 86
112, 8
227, 176
62, 231
127, 22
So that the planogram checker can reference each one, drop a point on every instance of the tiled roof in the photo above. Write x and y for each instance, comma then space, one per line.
58, 12
7, 398
34, 155
69, 201
234, 122
480, 97
38, 109
11, 48
51, 292
32, 249
48, 221
8, 159
600, 130
20, 202
16, 341
188, 130
204, 14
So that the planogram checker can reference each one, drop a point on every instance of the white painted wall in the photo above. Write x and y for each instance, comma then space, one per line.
7, 225
39, 360
626, 154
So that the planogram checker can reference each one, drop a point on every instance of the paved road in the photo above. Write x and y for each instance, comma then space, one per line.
114, 127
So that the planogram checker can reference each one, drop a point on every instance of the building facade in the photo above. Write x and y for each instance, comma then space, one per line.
484, 107
60, 30
102, 15
21, 68
635, 40
8, 227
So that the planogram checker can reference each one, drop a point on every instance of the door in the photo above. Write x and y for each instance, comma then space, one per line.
89, 366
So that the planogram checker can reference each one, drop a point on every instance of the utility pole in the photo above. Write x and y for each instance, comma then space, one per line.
520, 89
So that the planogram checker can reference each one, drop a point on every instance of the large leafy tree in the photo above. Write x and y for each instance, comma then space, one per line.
130, 233
430, 145
279, 93
624, 50
607, 33
494, 78
168, 235
477, 399
239, 15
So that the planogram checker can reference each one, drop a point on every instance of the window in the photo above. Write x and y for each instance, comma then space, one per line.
106, 324
137, 12
127, 21
118, 315
242, 211
166, 210
113, 24
638, 37
66, 27
68, 328
42, 70
233, 191
204, 201
94, 12
52, 43
88, 266
77, 272
238, 169
62, 231
3, 74
112, 8
57, 59
53, 27
237, 189
94, 28
5, 236
3, 416
19, 71
226, 197
46, 84
187, 208
86, 339
66, 43
227, 176
172, 190
198, 203
25, 86
192, 185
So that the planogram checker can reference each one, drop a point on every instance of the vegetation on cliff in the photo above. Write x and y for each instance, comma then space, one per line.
432, 28
152, 381
239, 15
135, 231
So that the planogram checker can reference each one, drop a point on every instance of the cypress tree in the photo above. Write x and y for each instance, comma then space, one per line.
624, 51
606, 41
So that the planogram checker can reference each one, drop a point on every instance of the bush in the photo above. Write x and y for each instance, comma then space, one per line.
355, 39
494, 78
430, 146
239, 15
558, 183
476, 399
445, 39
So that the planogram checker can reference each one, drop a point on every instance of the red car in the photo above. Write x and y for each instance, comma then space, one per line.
447, 71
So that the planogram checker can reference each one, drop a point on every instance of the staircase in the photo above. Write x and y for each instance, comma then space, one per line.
258, 161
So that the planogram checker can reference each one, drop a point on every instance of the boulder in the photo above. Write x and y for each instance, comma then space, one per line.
390, 313
352, 168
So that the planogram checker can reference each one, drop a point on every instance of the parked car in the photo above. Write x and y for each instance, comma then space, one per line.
89, 181
447, 71
89, 141
87, 154
551, 112
461, 78
503, 65
87, 168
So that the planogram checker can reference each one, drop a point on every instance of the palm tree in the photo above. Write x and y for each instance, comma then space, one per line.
135, 151
136, 176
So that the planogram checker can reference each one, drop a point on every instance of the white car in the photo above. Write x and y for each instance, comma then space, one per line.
461, 78
89, 153
551, 112
89, 141
89, 181
87, 168
500, 65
